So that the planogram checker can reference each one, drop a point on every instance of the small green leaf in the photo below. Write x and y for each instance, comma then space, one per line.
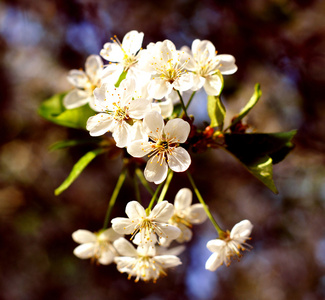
251, 103
263, 170
72, 143
78, 168
216, 111
53, 110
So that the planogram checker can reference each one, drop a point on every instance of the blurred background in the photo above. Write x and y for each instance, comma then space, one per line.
278, 43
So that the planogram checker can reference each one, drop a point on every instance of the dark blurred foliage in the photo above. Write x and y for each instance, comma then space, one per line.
278, 43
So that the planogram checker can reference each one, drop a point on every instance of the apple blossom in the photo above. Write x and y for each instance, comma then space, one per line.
118, 112
123, 57
85, 83
186, 214
142, 263
156, 223
207, 67
164, 142
97, 246
167, 66
229, 245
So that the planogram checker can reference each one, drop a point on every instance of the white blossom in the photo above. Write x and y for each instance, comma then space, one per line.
156, 223
207, 66
85, 83
142, 263
97, 246
186, 214
164, 143
123, 57
119, 111
229, 245
167, 67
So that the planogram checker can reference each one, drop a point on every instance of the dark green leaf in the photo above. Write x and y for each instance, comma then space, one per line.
258, 151
53, 110
216, 111
251, 103
263, 170
77, 169
247, 147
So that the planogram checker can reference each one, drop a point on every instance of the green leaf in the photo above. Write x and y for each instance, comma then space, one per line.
72, 143
216, 111
247, 147
259, 151
53, 110
262, 169
251, 103
78, 168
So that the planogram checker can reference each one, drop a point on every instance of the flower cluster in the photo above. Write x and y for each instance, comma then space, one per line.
128, 106
147, 229
138, 97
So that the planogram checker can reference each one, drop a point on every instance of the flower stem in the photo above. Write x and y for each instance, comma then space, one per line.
154, 197
144, 182
189, 101
205, 207
116, 191
166, 186
182, 103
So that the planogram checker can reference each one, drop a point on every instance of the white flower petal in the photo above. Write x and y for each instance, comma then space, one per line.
166, 108
93, 67
134, 210
108, 235
184, 82
82, 236
153, 124
242, 229
203, 51
112, 52
162, 212
169, 232
213, 85
125, 248
139, 148
138, 108
177, 129
213, 262
159, 88
122, 134
183, 199
168, 261
123, 225
111, 73
75, 98
85, 250
106, 258
216, 245
99, 124
227, 64
78, 78
196, 214
138, 132
180, 160
132, 42
156, 171
186, 233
